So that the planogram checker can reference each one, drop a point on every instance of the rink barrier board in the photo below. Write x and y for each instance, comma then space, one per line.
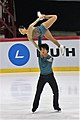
38, 70
12, 70
26, 39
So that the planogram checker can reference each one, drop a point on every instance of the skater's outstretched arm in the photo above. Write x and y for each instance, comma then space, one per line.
36, 21
34, 43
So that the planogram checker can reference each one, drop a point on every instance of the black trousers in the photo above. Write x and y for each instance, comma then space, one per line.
43, 79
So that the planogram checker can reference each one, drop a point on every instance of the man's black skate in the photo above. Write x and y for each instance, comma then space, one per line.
58, 109
34, 109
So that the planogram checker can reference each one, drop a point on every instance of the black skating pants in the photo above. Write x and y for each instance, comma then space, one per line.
43, 79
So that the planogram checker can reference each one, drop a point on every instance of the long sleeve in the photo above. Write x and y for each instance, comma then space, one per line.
39, 43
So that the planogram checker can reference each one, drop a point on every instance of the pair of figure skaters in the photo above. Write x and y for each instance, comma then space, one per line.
44, 59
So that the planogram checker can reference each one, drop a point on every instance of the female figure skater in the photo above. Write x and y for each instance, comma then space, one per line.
42, 30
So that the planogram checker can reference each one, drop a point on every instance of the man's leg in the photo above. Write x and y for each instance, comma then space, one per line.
40, 86
52, 82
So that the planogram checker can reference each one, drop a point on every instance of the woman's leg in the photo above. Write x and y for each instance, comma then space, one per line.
48, 24
50, 21
49, 36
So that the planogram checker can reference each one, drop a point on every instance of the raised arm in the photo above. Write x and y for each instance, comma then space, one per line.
36, 21
34, 43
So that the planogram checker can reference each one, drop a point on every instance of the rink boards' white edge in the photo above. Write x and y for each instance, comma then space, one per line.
37, 69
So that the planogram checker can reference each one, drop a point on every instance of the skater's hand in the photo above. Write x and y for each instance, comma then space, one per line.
41, 53
42, 17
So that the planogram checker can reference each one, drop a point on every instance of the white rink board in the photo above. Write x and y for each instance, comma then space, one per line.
60, 61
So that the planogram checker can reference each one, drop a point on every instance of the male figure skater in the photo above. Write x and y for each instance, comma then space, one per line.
46, 75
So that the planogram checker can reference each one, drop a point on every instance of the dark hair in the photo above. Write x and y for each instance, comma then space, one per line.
21, 27
44, 46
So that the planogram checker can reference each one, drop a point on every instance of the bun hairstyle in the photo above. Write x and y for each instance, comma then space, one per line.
21, 27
